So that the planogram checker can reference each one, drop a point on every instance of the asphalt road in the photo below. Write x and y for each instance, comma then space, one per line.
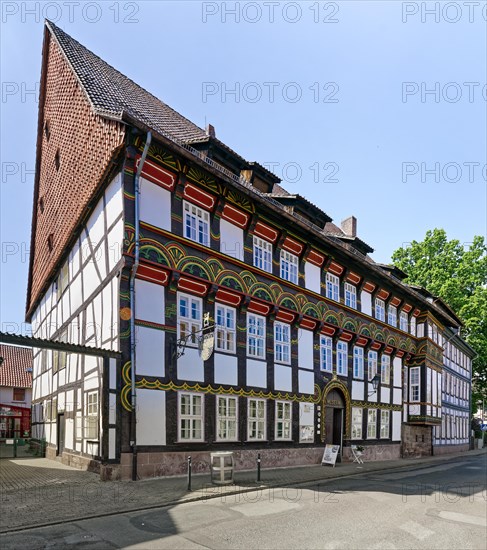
441, 506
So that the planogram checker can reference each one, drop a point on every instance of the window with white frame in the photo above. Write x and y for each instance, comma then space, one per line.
414, 384
392, 316
225, 328
189, 317
289, 267
350, 296
342, 358
262, 254
91, 418
403, 321
358, 362
226, 418
196, 224
384, 424
255, 336
326, 353
256, 419
332, 287
356, 423
283, 420
372, 424
282, 342
385, 369
412, 326
380, 309
190, 416
372, 363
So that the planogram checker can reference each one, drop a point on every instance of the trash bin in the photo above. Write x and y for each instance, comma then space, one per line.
222, 467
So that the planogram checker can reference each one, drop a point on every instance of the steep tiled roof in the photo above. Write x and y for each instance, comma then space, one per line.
112, 94
16, 367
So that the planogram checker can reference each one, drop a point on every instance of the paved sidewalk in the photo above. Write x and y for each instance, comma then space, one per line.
37, 492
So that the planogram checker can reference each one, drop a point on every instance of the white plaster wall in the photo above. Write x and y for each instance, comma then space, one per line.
306, 381
190, 366
397, 396
312, 277
149, 351
414, 409
357, 390
282, 378
226, 370
370, 392
112, 440
256, 373
366, 302
155, 205
149, 301
396, 425
90, 363
305, 349
397, 368
385, 395
151, 417
114, 199
91, 381
231, 240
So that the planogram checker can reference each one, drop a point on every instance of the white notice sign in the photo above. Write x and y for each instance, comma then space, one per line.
330, 454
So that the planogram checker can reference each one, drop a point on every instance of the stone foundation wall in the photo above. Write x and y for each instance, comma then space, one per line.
416, 441
372, 453
448, 449
161, 464
74, 460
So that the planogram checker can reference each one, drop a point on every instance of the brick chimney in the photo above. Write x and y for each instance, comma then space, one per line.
210, 130
349, 226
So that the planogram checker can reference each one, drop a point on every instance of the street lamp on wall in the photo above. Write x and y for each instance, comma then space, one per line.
375, 384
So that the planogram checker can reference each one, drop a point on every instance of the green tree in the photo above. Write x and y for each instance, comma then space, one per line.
457, 274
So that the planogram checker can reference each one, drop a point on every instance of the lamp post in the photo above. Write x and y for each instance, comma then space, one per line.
375, 384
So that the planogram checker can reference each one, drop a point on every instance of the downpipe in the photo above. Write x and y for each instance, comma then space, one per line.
135, 265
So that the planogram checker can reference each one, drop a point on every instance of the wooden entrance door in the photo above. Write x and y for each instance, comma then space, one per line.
334, 420
61, 433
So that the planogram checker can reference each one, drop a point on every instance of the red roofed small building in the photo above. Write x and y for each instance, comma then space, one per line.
15, 390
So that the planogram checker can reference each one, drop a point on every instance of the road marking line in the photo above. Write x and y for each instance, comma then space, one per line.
417, 530
463, 518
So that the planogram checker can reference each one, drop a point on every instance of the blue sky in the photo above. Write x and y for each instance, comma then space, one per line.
351, 124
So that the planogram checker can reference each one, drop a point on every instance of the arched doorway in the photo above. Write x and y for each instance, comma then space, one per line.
336, 415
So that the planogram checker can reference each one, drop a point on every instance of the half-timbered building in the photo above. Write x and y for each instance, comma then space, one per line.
144, 223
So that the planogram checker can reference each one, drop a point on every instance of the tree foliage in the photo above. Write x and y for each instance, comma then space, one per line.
456, 273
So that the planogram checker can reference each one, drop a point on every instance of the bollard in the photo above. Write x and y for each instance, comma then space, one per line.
258, 466
189, 473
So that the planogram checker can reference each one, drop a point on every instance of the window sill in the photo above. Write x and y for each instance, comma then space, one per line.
256, 441
226, 351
